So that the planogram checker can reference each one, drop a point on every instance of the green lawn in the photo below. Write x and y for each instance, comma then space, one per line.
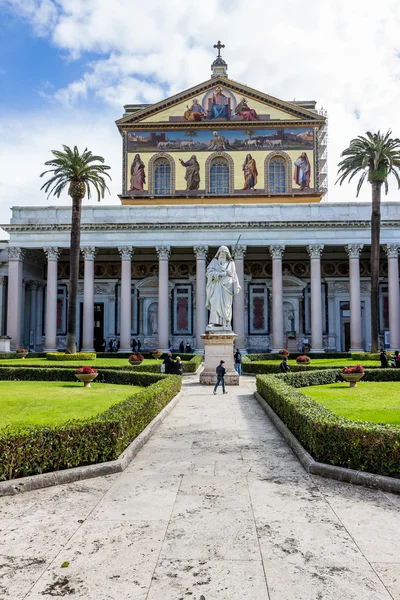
375, 402
24, 403
99, 362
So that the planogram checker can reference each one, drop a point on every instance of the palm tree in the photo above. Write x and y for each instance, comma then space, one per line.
374, 157
78, 172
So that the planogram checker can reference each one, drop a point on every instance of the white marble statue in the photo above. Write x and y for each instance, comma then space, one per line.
222, 285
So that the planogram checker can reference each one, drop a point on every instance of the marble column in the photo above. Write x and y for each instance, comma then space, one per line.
126, 298
3, 280
163, 253
238, 300
392, 252
14, 300
39, 316
277, 298
201, 255
89, 254
314, 252
50, 343
34, 287
353, 251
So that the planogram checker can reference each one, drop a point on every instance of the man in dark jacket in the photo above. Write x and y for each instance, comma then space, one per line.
169, 364
384, 359
220, 370
284, 367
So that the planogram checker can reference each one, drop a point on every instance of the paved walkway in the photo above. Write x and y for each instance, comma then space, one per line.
214, 507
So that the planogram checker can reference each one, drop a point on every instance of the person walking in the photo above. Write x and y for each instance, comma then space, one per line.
169, 364
178, 368
238, 362
284, 367
220, 371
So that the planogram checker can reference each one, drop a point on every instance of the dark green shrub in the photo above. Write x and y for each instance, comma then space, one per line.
262, 368
61, 356
293, 355
328, 438
102, 438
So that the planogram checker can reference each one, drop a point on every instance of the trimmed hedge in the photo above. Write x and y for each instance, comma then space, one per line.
41, 449
10, 355
293, 355
261, 368
327, 437
60, 356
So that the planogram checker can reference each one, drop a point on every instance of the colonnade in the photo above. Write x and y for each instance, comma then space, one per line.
15, 297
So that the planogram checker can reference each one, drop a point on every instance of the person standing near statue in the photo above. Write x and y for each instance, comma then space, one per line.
192, 175
222, 285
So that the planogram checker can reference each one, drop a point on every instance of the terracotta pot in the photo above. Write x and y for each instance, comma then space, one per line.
86, 378
352, 378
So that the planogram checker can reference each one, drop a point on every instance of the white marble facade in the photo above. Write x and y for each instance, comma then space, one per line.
303, 268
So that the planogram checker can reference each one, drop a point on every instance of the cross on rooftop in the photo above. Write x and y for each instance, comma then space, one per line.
219, 46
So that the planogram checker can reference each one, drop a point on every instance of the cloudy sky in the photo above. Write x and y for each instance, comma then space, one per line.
67, 67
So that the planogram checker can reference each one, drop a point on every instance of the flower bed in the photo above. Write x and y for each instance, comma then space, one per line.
102, 438
328, 438
353, 369
78, 356
303, 360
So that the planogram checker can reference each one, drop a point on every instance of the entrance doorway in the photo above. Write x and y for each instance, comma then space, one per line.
98, 326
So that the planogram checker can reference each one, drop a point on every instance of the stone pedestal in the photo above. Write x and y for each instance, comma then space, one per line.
5, 344
218, 345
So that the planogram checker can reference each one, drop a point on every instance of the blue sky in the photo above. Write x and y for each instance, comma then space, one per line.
67, 67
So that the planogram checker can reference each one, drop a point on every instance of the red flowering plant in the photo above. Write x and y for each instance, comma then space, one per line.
85, 371
155, 353
136, 358
284, 352
353, 369
303, 359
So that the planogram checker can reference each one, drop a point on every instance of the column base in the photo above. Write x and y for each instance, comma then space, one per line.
87, 350
125, 350
277, 350
49, 349
351, 350
317, 351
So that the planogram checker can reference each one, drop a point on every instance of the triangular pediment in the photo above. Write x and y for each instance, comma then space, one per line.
221, 99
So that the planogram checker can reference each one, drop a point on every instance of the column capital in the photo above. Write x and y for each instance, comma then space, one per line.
89, 252
277, 251
163, 252
15, 253
392, 250
315, 250
354, 250
52, 252
126, 252
240, 252
200, 251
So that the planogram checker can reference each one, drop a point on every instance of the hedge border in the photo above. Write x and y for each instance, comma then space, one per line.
100, 439
329, 439
262, 368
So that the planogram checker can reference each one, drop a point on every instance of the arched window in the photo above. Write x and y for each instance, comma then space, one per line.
219, 176
277, 175
162, 176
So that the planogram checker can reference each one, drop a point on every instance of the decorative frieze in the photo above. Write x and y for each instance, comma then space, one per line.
15, 253
52, 252
315, 250
277, 251
354, 250
200, 251
126, 252
163, 252
89, 252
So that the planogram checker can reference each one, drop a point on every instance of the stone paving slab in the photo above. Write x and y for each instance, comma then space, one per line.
214, 507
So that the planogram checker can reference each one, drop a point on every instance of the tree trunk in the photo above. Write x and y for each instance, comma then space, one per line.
375, 251
73, 273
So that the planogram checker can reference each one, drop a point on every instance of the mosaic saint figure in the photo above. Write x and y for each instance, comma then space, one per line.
302, 171
219, 107
138, 175
192, 175
243, 110
194, 112
250, 173
222, 285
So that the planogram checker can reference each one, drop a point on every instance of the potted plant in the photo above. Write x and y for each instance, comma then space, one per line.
86, 375
136, 359
283, 353
353, 374
22, 352
156, 354
303, 360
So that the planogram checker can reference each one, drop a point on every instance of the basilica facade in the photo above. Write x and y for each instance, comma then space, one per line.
220, 163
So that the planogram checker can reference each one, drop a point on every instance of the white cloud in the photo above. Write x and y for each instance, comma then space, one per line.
336, 52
